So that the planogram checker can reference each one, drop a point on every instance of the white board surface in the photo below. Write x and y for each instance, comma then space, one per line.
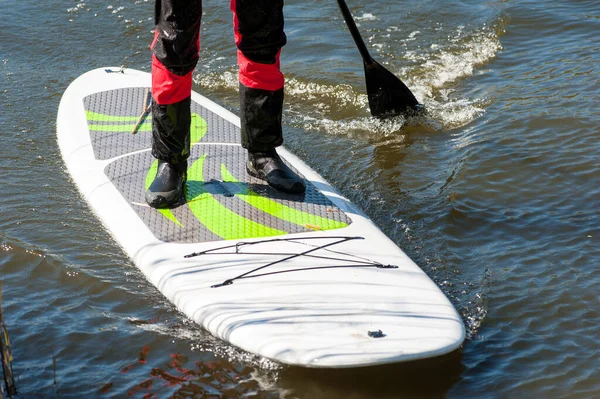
313, 310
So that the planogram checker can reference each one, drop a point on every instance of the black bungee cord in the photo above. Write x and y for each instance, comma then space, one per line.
361, 262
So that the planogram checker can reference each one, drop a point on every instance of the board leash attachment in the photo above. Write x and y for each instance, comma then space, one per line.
376, 334
120, 70
145, 110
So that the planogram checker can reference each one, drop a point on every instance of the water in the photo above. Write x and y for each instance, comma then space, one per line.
495, 194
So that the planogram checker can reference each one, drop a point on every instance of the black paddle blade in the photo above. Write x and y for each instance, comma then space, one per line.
388, 96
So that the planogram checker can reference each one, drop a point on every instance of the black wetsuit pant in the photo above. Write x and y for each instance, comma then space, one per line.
259, 37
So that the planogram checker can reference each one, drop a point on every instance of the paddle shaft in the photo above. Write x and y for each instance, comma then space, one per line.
355, 33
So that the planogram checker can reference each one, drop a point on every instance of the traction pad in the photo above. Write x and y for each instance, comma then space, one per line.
221, 200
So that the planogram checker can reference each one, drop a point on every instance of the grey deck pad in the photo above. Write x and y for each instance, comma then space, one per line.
221, 200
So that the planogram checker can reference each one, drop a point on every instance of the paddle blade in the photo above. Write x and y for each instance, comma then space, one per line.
388, 96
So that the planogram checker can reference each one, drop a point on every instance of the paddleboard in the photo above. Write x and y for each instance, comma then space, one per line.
305, 280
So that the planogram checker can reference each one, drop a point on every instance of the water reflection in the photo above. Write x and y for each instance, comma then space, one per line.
431, 378
182, 377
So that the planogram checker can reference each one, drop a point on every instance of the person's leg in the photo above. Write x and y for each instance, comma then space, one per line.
259, 37
174, 56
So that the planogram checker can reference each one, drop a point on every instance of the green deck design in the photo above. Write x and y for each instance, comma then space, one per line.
249, 208
278, 210
198, 129
229, 225
98, 117
198, 126
144, 127
216, 217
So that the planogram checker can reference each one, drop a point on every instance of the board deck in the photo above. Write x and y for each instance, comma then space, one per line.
304, 279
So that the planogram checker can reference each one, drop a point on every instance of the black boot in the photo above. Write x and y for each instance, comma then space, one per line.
260, 118
167, 187
269, 167
171, 146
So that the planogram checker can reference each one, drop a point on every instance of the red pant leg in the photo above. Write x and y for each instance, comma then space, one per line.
174, 56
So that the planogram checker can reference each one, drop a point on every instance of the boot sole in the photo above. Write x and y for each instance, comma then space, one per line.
296, 188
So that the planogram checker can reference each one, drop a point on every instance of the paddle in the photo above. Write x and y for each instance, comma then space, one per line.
388, 96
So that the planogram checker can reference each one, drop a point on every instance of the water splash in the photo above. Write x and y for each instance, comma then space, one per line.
435, 80
433, 76
366, 17
218, 80
202, 341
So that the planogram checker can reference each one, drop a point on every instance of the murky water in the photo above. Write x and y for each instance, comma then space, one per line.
495, 193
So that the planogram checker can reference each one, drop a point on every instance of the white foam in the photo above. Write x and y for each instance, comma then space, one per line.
366, 17
460, 60
214, 80
342, 95
434, 80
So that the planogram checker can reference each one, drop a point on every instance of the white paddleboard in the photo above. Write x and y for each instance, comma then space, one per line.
305, 280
